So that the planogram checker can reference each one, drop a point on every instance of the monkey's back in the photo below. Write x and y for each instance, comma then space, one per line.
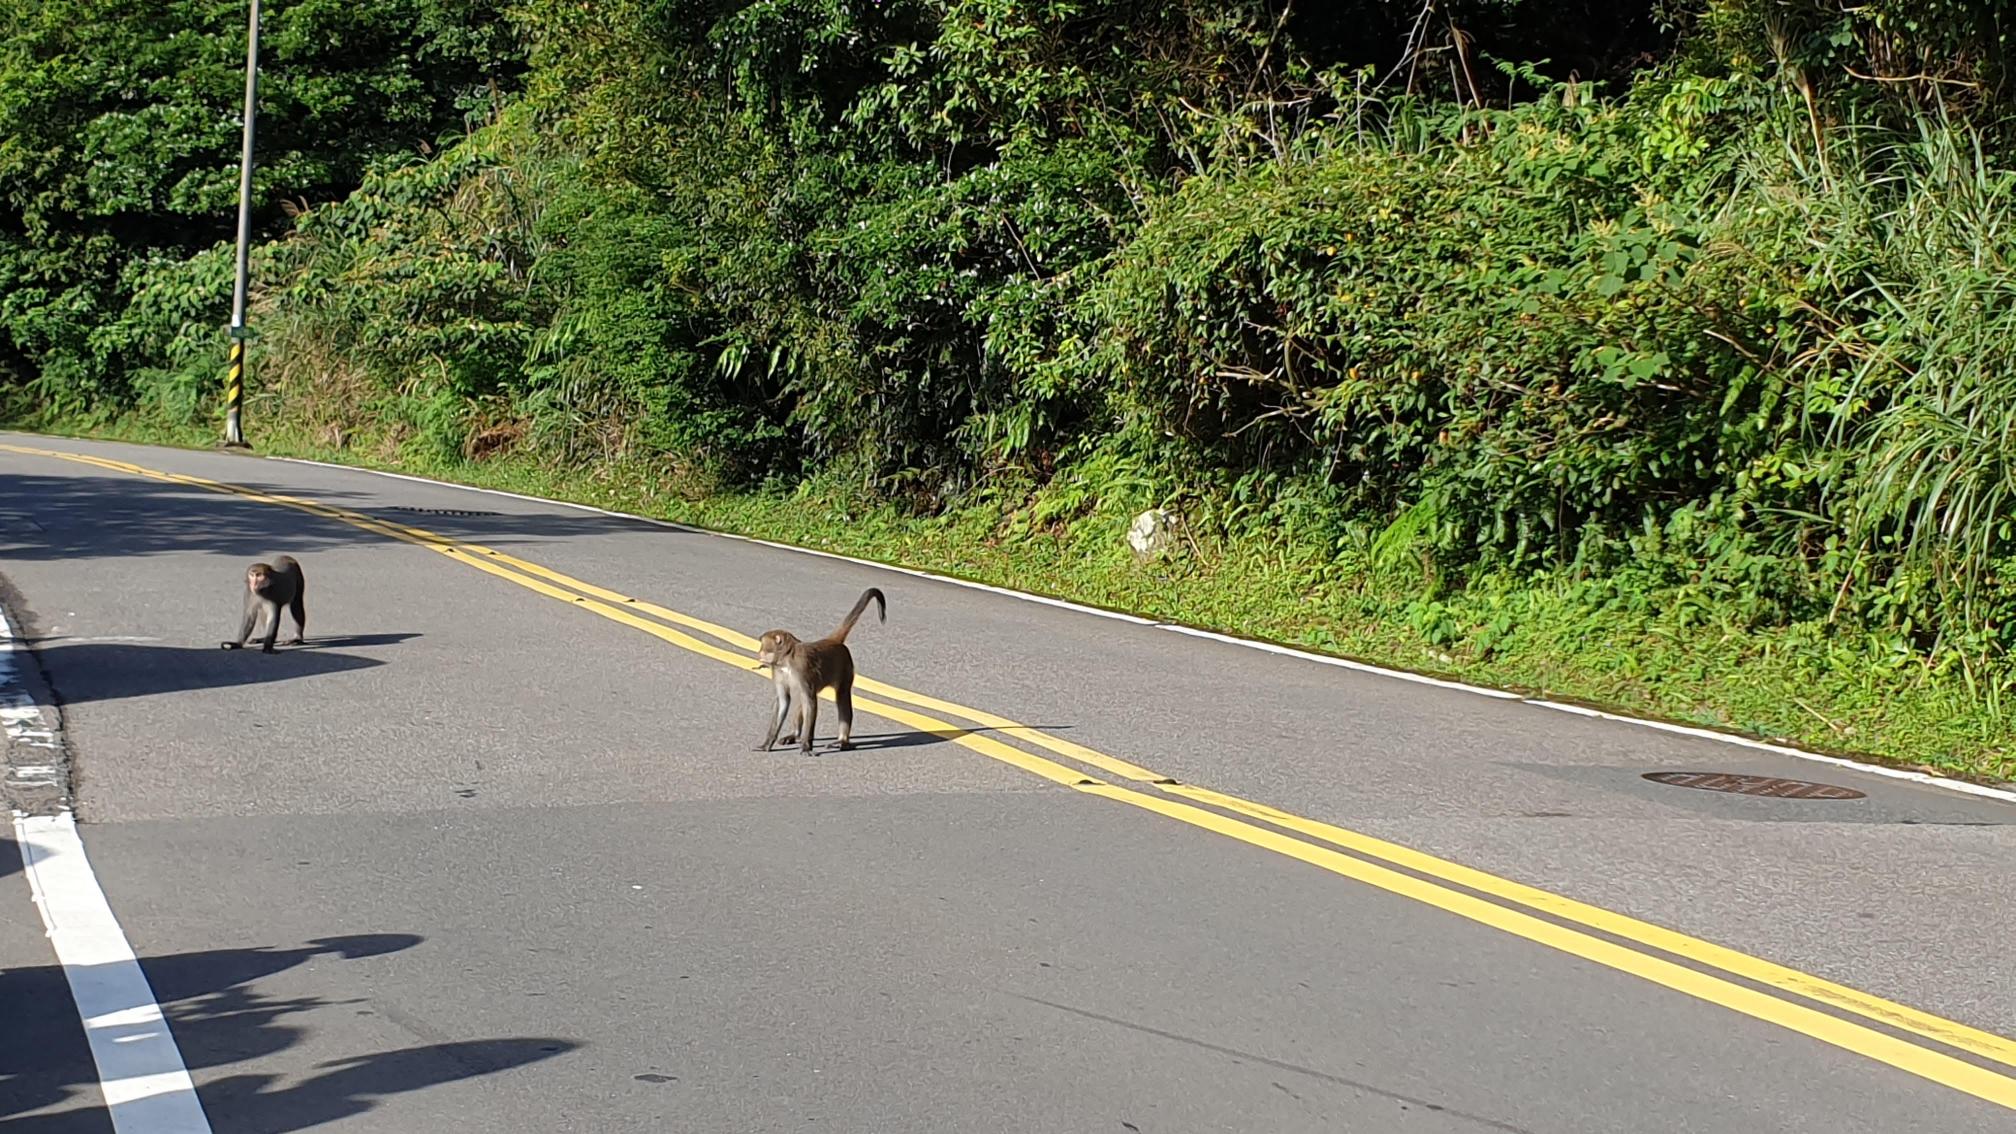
284, 580
828, 664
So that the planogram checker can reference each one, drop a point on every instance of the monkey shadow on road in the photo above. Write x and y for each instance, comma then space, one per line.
870, 742
220, 1017
108, 671
352, 640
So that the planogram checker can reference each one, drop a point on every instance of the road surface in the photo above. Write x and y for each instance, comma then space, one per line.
493, 853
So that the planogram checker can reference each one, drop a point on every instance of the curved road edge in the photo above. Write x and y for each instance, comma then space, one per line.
37, 778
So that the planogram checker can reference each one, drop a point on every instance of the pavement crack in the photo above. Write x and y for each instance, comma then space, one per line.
1324, 1076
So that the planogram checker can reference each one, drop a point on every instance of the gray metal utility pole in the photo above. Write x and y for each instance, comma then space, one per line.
234, 381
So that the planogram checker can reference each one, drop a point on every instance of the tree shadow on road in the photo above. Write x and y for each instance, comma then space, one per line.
353, 1085
109, 671
218, 1019
114, 516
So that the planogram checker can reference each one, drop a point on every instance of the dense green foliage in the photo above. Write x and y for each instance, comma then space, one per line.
1691, 313
119, 139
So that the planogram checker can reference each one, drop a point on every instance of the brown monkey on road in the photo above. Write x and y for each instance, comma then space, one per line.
267, 589
802, 669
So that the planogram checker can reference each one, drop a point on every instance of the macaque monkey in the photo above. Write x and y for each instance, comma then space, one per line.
267, 589
803, 669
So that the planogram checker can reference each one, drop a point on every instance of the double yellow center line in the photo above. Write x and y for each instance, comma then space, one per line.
1791, 999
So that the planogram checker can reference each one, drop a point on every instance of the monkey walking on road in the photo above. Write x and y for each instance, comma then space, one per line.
803, 669
267, 589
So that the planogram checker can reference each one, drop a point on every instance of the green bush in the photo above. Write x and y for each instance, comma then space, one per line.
119, 142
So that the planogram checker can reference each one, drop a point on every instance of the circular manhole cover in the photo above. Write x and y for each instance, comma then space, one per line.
1753, 785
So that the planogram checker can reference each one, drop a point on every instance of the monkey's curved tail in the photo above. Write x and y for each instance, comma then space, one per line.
861, 604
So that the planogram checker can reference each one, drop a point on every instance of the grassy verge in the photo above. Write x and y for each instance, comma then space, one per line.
1796, 684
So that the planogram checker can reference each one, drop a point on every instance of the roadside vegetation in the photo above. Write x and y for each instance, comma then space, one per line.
1660, 355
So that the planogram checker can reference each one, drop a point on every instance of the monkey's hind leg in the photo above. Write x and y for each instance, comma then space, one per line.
843, 697
299, 609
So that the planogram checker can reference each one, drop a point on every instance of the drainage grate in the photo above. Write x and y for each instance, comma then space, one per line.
443, 512
1753, 785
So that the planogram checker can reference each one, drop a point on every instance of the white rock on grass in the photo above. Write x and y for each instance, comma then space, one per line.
1152, 533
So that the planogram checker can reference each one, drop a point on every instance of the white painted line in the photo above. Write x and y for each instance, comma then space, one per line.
2003, 794
1342, 663
147, 1089
140, 1071
22, 718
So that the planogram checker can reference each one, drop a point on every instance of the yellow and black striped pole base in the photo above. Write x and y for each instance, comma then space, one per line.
234, 395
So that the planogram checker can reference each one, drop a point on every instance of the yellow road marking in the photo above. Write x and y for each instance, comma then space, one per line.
482, 559
1778, 976
1839, 996
1880, 1046
1060, 746
1885, 1048
462, 549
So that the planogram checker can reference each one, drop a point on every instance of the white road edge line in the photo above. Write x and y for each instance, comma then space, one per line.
2003, 794
147, 1088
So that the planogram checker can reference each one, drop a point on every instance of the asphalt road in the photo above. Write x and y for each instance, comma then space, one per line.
492, 853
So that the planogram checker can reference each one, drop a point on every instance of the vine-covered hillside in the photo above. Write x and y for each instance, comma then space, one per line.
1660, 353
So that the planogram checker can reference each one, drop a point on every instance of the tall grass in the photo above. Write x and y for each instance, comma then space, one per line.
1913, 373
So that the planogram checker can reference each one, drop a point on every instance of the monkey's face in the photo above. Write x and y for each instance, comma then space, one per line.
774, 646
258, 576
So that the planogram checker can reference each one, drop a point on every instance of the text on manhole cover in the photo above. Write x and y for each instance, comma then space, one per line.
444, 511
1770, 786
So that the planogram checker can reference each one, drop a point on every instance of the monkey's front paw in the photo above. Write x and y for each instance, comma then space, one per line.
844, 746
